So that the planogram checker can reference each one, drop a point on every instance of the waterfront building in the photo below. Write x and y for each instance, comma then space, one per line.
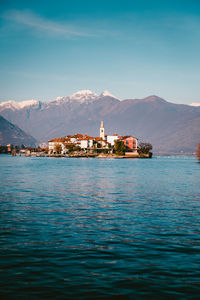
54, 143
131, 143
9, 147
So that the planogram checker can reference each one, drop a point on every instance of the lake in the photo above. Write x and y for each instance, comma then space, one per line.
89, 228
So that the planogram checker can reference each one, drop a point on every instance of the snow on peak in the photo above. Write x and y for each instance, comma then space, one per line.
195, 104
83, 96
59, 98
83, 93
11, 104
107, 94
27, 103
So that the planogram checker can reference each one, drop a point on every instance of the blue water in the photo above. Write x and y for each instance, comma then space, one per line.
73, 228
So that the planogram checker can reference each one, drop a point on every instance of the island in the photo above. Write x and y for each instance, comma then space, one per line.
111, 146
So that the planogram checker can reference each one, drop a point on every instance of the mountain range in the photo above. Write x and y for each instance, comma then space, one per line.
169, 127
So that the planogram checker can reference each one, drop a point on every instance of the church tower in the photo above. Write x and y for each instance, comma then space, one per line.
102, 135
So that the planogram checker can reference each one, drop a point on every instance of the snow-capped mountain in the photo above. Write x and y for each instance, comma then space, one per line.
13, 105
83, 96
195, 104
107, 94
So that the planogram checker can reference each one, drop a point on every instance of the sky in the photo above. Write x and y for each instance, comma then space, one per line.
133, 49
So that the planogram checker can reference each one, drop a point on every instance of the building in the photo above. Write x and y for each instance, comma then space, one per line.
112, 138
85, 142
43, 145
131, 143
9, 147
53, 144
102, 133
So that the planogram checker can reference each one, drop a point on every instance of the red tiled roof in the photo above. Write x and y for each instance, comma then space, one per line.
68, 144
57, 140
128, 136
77, 135
89, 137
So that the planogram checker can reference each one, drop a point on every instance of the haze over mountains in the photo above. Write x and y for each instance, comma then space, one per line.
169, 127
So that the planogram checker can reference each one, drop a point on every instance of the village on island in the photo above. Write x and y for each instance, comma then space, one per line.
80, 145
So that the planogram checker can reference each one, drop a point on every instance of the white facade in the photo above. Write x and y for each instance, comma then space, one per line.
111, 139
83, 144
86, 144
72, 140
102, 134
90, 143
52, 147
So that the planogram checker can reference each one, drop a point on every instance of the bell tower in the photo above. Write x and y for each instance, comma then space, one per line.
102, 135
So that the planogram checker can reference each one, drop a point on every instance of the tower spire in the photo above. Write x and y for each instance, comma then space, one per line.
102, 135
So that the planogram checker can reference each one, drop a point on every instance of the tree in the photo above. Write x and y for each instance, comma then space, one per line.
119, 147
58, 148
144, 148
45, 150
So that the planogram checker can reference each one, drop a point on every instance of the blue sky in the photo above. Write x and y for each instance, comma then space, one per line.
133, 48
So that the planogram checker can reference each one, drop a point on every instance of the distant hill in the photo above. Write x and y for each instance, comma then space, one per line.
12, 134
169, 127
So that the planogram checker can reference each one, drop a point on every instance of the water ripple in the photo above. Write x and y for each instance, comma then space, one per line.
99, 229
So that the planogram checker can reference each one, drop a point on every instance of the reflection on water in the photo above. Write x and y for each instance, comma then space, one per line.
99, 228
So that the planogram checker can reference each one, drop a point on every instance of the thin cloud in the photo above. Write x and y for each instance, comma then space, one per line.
42, 76
40, 24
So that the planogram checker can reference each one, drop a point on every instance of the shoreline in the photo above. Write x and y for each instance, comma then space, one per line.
102, 156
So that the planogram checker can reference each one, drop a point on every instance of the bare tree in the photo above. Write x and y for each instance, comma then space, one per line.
144, 148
